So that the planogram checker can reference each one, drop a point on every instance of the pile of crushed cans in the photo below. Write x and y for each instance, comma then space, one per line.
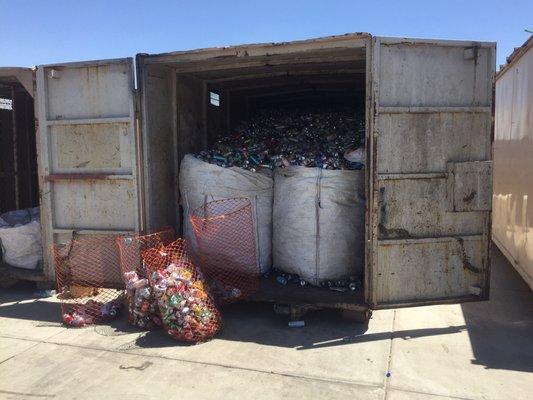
322, 138
341, 285
185, 306
142, 308
90, 312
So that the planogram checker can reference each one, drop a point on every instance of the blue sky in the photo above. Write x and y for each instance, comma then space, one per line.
43, 32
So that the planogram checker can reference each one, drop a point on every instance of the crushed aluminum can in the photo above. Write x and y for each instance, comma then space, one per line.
281, 280
296, 324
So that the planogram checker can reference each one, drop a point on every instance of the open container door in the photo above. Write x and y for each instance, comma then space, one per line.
87, 150
431, 184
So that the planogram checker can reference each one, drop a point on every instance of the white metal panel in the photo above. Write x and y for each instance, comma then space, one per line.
88, 92
432, 107
435, 139
87, 150
420, 208
102, 148
433, 75
95, 204
513, 163
450, 274
470, 186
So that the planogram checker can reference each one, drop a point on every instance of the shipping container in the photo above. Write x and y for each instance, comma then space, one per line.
19, 188
110, 154
513, 161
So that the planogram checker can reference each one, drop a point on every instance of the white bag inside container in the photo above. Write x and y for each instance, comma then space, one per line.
201, 182
319, 223
20, 238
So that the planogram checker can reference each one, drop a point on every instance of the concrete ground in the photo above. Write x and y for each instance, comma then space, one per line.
471, 351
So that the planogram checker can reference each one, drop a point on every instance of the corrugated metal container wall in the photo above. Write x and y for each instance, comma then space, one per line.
88, 151
428, 133
513, 161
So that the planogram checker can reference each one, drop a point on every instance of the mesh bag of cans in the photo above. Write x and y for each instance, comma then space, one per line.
226, 248
88, 278
143, 311
187, 310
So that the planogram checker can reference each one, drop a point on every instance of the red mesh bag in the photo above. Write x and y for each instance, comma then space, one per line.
143, 311
226, 248
186, 307
88, 277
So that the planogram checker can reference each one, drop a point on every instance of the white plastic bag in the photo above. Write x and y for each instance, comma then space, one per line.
21, 245
319, 223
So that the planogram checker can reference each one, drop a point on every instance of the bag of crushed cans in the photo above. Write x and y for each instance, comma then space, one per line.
142, 306
187, 309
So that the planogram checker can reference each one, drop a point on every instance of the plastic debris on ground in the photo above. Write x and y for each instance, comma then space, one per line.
186, 307
327, 139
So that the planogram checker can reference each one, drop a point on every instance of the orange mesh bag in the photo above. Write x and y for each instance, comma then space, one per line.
88, 277
142, 306
186, 307
226, 248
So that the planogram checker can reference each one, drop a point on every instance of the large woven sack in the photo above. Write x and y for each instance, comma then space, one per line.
201, 182
318, 223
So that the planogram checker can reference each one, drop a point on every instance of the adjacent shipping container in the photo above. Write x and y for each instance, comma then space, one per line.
513, 161
110, 154
19, 187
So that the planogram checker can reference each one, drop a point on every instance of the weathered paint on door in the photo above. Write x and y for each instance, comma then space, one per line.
87, 150
431, 171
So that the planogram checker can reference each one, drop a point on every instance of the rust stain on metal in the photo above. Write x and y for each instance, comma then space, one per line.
467, 264
470, 197
78, 177
393, 233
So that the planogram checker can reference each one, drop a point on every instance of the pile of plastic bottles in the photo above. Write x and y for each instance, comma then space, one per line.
91, 312
322, 138
142, 307
186, 309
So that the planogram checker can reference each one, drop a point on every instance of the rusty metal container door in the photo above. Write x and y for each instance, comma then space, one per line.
87, 150
431, 184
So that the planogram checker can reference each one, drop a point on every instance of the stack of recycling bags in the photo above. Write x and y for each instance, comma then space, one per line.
309, 212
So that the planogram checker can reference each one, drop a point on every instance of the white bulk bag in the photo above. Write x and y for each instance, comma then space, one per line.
21, 245
319, 223
201, 182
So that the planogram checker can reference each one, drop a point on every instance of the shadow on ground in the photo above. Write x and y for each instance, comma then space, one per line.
501, 329
20, 302
257, 323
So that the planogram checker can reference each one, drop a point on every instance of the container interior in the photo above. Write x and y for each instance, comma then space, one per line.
18, 156
200, 99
